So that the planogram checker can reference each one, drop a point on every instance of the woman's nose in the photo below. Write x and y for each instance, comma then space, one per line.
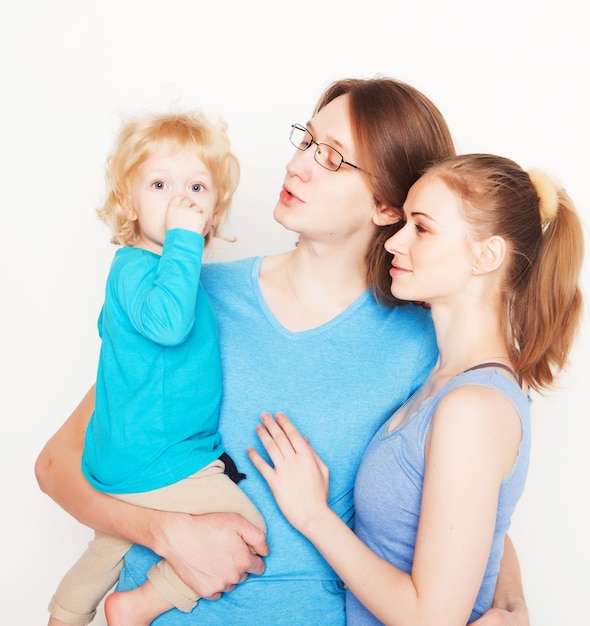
395, 244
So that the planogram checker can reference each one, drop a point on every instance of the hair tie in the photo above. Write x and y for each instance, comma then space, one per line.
547, 191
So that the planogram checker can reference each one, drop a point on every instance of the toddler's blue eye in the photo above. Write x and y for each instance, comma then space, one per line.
197, 187
159, 184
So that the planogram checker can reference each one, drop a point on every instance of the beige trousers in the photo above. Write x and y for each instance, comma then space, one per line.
98, 569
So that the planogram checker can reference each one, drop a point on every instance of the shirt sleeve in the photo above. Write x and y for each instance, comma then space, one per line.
160, 297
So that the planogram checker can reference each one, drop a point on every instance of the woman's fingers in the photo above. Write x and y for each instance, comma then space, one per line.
283, 434
259, 463
282, 442
298, 442
268, 432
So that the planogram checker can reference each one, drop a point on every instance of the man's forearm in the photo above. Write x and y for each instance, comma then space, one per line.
59, 474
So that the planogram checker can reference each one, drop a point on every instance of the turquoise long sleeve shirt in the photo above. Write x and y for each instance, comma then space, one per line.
158, 384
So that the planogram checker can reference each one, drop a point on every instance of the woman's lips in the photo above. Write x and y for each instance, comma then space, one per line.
396, 270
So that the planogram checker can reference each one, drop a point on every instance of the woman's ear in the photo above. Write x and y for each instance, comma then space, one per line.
385, 215
490, 254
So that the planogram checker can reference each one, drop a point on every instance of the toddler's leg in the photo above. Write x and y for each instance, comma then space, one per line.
207, 491
87, 582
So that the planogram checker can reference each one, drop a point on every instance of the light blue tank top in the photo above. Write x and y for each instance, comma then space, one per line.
388, 488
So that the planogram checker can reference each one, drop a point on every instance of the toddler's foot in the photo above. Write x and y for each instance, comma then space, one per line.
138, 607
119, 610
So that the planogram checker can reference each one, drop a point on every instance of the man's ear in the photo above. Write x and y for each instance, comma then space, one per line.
385, 215
490, 254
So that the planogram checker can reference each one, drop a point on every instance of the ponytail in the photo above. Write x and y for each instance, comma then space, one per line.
549, 309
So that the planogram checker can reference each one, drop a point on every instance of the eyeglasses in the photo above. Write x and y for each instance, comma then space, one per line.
325, 155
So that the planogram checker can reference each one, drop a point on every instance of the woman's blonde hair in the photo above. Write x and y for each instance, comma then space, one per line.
541, 300
137, 140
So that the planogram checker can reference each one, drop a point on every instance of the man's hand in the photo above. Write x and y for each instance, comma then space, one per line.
517, 616
212, 553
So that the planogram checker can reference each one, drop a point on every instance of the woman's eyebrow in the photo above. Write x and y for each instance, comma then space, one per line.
415, 214
409, 213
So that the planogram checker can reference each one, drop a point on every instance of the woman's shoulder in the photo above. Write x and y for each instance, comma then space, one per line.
489, 394
501, 382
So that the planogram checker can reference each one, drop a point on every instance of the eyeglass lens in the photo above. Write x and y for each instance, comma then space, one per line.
324, 154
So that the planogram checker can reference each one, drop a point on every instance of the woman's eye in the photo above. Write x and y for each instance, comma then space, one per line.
197, 187
420, 229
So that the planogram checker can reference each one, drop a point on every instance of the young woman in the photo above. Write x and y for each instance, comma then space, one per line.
497, 255
302, 332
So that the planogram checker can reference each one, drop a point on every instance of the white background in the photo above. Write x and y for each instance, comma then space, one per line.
510, 76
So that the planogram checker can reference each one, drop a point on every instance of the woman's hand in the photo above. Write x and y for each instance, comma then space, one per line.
298, 479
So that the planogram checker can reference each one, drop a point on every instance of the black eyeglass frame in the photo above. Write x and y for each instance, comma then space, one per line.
319, 145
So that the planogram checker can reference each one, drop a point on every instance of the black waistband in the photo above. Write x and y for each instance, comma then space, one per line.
230, 468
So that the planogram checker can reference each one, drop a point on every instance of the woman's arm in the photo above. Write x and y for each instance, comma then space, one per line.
210, 552
443, 583
299, 481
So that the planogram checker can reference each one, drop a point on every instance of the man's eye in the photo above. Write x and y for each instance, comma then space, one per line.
332, 157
